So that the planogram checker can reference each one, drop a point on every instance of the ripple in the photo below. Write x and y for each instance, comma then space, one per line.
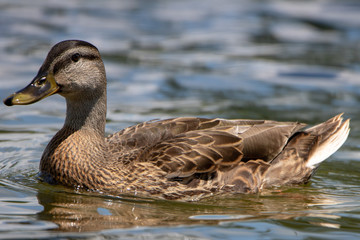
282, 60
220, 217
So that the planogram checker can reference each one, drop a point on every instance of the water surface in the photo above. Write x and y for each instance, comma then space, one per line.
281, 60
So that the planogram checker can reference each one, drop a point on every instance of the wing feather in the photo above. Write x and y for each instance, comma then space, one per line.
183, 147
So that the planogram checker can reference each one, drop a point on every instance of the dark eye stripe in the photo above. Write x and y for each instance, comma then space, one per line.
60, 65
66, 61
90, 56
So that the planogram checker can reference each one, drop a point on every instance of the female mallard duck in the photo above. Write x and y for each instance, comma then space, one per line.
181, 158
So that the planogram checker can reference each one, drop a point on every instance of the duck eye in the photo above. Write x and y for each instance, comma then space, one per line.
75, 57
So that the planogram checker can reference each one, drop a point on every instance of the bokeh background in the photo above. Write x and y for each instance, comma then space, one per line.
277, 59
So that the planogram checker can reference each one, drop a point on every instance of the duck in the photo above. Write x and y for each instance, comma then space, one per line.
184, 158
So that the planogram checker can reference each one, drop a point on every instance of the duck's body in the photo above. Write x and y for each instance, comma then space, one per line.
181, 158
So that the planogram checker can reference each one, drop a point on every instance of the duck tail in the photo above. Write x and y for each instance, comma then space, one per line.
328, 138
305, 151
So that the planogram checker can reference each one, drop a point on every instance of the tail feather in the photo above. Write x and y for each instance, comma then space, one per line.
331, 135
305, 151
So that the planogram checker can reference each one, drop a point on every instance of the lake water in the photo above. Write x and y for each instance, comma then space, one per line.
281, 60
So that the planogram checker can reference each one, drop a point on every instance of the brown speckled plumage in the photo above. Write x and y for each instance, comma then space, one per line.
181, 158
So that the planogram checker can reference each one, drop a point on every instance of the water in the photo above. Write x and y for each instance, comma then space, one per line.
282, 60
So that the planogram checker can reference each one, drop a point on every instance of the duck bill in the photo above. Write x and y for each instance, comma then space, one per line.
41, 87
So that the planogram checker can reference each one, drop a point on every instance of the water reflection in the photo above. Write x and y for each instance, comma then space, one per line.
82, 212
78, 212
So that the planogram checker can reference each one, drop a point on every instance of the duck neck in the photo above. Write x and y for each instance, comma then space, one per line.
86, 113
79, 147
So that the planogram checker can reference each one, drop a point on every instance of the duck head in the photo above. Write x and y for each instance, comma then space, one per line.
72, 68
